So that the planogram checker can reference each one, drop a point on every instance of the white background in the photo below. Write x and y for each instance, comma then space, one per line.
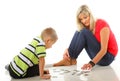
21, 20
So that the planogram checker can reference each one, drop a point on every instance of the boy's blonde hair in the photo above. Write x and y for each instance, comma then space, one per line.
85, 10
49, 32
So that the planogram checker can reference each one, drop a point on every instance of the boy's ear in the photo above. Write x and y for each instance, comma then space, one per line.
47, 40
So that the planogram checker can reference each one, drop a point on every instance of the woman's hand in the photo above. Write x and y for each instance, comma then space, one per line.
86, 67
66, 55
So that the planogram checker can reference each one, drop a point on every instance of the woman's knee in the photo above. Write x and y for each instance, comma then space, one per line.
84, 30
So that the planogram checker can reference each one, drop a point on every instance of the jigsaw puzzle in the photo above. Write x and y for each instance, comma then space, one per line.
70, 72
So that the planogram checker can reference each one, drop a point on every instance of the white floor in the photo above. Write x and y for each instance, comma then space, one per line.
72, 73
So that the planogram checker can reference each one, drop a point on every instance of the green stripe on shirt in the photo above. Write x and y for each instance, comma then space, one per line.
41, 51
30, 55
20, 63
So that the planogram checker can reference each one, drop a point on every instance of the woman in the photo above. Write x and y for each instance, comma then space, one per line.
95, 36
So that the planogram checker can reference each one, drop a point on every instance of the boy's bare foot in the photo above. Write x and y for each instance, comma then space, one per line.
7, 67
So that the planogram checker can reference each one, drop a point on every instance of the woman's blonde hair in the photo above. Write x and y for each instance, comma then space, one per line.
85, 10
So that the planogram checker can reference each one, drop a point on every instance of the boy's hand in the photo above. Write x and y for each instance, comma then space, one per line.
46, 72
45, 76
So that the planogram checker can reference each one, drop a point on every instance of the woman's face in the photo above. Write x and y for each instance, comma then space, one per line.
84, 19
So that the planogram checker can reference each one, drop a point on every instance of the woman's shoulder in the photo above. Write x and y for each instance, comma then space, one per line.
100, 21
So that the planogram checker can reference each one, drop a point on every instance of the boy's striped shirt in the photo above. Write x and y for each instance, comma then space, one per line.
28, 57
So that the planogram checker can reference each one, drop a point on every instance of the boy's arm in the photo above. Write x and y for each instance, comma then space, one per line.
41, 68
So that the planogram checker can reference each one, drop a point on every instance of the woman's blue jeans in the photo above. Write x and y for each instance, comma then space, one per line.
86, 39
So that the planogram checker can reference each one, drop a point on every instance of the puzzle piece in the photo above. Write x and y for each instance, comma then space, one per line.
72, 72
84, 72
54, 76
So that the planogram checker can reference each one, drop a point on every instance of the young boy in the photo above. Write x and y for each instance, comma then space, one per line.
30, 61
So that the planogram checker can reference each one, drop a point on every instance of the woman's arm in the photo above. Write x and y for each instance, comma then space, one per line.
104, 37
